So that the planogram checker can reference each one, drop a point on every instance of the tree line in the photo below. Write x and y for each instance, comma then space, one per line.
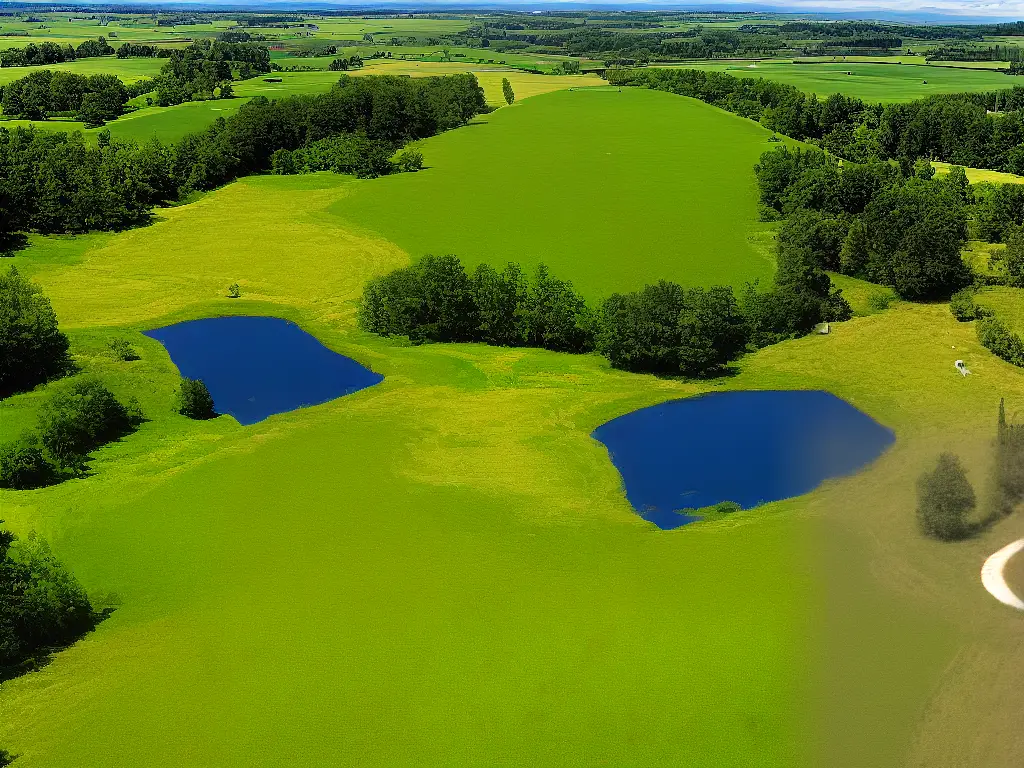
205, 69
54, 182
897, 227
956, 128
52, 53
663, 328
94, 99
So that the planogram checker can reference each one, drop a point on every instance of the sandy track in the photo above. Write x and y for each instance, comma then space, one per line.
992, 575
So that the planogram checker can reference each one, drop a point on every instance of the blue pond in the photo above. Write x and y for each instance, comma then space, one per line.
258, 366
748, 447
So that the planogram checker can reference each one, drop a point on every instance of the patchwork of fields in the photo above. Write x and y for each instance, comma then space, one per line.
450, 550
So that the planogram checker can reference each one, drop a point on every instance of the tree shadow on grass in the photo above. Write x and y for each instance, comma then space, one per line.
44, 656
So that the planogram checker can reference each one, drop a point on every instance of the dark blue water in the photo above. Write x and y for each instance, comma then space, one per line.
746, 447
258, 366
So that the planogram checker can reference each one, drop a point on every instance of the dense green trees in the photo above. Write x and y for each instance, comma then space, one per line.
868, 221
52, 53
32, 348
42, 606
76, 419
195, 400
945, 500
995, 336
662, 328
93, 99
198, 72
54, 182
665, 328
436, 300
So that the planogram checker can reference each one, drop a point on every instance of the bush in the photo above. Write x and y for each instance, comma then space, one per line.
42, 606
944, 500
80, 418
1001, 341
409, 161
24, 464
195, 400
121, 349
964, 308
32, 348
880, 301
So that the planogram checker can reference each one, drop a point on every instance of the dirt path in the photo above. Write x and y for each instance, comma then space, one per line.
993, 579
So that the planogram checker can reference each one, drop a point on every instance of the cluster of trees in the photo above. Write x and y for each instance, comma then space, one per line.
998, 339
956, 128
355, 61
662, 328
897, 227
54, 182
946, 500
52, 53
205, 69
140, 51
32, 347
436, 300
93, 99
351, 153
1010, 53
195, 400
42, 607
76, 419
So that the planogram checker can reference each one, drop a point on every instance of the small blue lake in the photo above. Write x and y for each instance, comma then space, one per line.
258, 366
748, 447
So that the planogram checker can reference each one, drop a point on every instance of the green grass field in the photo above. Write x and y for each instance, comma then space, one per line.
871, 82
129, 70
443, 568
633, 200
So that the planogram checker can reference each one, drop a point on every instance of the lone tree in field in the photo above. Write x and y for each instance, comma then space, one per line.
944, 499
506, 89
195, 400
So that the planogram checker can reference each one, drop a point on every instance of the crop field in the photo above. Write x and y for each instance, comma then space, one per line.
871, 82
515, 184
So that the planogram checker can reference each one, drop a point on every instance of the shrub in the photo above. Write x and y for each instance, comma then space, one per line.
1001, 341
880, 301
234, 291
24, 464
944, 500
80, 418
42, 606
195, 400
964, 308
121, 349
32, 348
409, 161
6, 758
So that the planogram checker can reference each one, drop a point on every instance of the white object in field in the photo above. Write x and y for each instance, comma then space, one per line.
993, 579
822, 328
961, 367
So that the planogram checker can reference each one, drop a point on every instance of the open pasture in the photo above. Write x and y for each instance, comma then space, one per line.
248, 562
870, 82
129, 70
450, 549
674, 192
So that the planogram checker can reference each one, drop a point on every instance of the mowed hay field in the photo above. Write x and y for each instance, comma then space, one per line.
128, 70
610, 189
870, 82
443, 569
